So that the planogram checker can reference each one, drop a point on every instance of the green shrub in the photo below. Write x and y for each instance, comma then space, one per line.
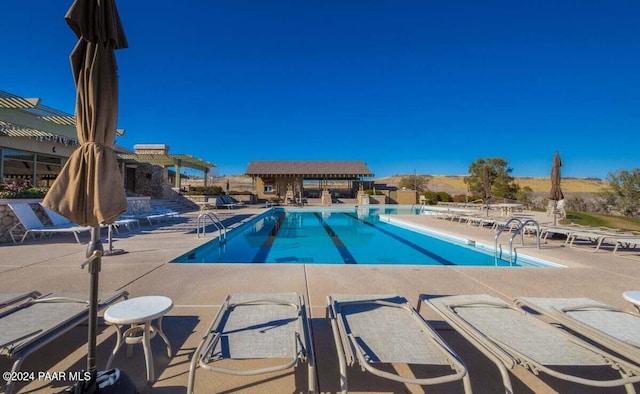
240, 192
204, 190
432, 198
21, 189
374, 193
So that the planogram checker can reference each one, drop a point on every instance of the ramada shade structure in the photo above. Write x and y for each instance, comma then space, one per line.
348, 170
274, 177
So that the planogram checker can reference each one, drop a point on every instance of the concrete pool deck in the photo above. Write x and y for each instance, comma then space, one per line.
52, 264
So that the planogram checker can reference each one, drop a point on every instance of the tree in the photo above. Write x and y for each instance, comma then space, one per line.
502, 183
414, 182
524, 194
624, 191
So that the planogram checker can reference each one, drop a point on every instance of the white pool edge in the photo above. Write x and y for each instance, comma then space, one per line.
484, 248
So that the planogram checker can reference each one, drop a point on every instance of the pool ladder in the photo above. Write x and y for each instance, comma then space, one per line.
520, 230
201, 226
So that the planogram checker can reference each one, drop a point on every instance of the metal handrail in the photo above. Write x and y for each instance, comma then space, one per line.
217, 223
520, 231
499, 231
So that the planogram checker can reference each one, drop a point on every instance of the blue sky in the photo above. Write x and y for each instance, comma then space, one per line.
425, 86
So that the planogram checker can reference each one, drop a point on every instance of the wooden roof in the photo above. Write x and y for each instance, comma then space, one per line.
309, 169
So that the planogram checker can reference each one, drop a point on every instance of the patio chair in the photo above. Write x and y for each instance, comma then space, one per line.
232, 200
257, 327
221, 201
598, 237
611, 327
510, 338
30, 320
32, 224
377, 329
626, 242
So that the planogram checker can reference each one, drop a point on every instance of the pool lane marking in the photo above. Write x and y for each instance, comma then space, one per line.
265, 248
418, 248
344, 253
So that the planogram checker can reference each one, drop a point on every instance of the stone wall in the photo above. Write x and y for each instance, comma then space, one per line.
8, 219
151, 180
138, 205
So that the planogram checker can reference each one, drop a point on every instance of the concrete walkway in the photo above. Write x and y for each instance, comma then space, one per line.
197, 290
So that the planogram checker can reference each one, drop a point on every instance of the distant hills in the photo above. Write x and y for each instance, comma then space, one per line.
454, 184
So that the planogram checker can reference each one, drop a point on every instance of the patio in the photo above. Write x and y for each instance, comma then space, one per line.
197, 291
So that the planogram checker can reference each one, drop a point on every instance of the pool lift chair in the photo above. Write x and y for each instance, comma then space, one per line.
257, 327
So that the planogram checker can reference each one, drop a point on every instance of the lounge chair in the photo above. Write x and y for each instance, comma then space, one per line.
611, 327
378, 329
562, 230
510, 338
598, 237
159, 215
32, 224
230, 202
257, 326
29, 321
59, 220
221, 201
626, 242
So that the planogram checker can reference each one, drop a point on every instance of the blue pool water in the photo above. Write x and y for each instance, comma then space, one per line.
347, 236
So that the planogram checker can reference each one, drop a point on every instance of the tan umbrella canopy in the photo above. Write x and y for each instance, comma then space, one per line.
90, 190
555, 194
486, 186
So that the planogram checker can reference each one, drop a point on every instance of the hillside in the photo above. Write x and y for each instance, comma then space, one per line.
455, 184
450, 184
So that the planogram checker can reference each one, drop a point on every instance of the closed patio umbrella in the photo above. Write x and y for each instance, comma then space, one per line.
486, 187
555, 194
89, 190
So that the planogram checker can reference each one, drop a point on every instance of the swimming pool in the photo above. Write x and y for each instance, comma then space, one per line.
338, 236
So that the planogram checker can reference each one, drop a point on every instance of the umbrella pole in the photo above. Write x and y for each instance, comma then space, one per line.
555, 206
111, 251
95, 265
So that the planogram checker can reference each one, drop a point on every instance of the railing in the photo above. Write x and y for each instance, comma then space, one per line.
496, 256
217, 223
520, 231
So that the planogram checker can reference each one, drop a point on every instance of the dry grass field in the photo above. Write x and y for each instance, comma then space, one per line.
455, 184
450, 184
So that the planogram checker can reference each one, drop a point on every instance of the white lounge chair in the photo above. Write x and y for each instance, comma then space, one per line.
385, 329
510, 338
611, 327
626, 242
29, 221
29, 321
257, 326
598, 237
59, 220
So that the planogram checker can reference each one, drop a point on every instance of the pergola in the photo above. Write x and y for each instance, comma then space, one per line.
166, 160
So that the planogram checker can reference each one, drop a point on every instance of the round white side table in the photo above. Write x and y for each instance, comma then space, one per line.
139, 313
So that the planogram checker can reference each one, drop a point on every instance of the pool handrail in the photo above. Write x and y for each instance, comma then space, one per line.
499, 231
217, 223
520, 231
